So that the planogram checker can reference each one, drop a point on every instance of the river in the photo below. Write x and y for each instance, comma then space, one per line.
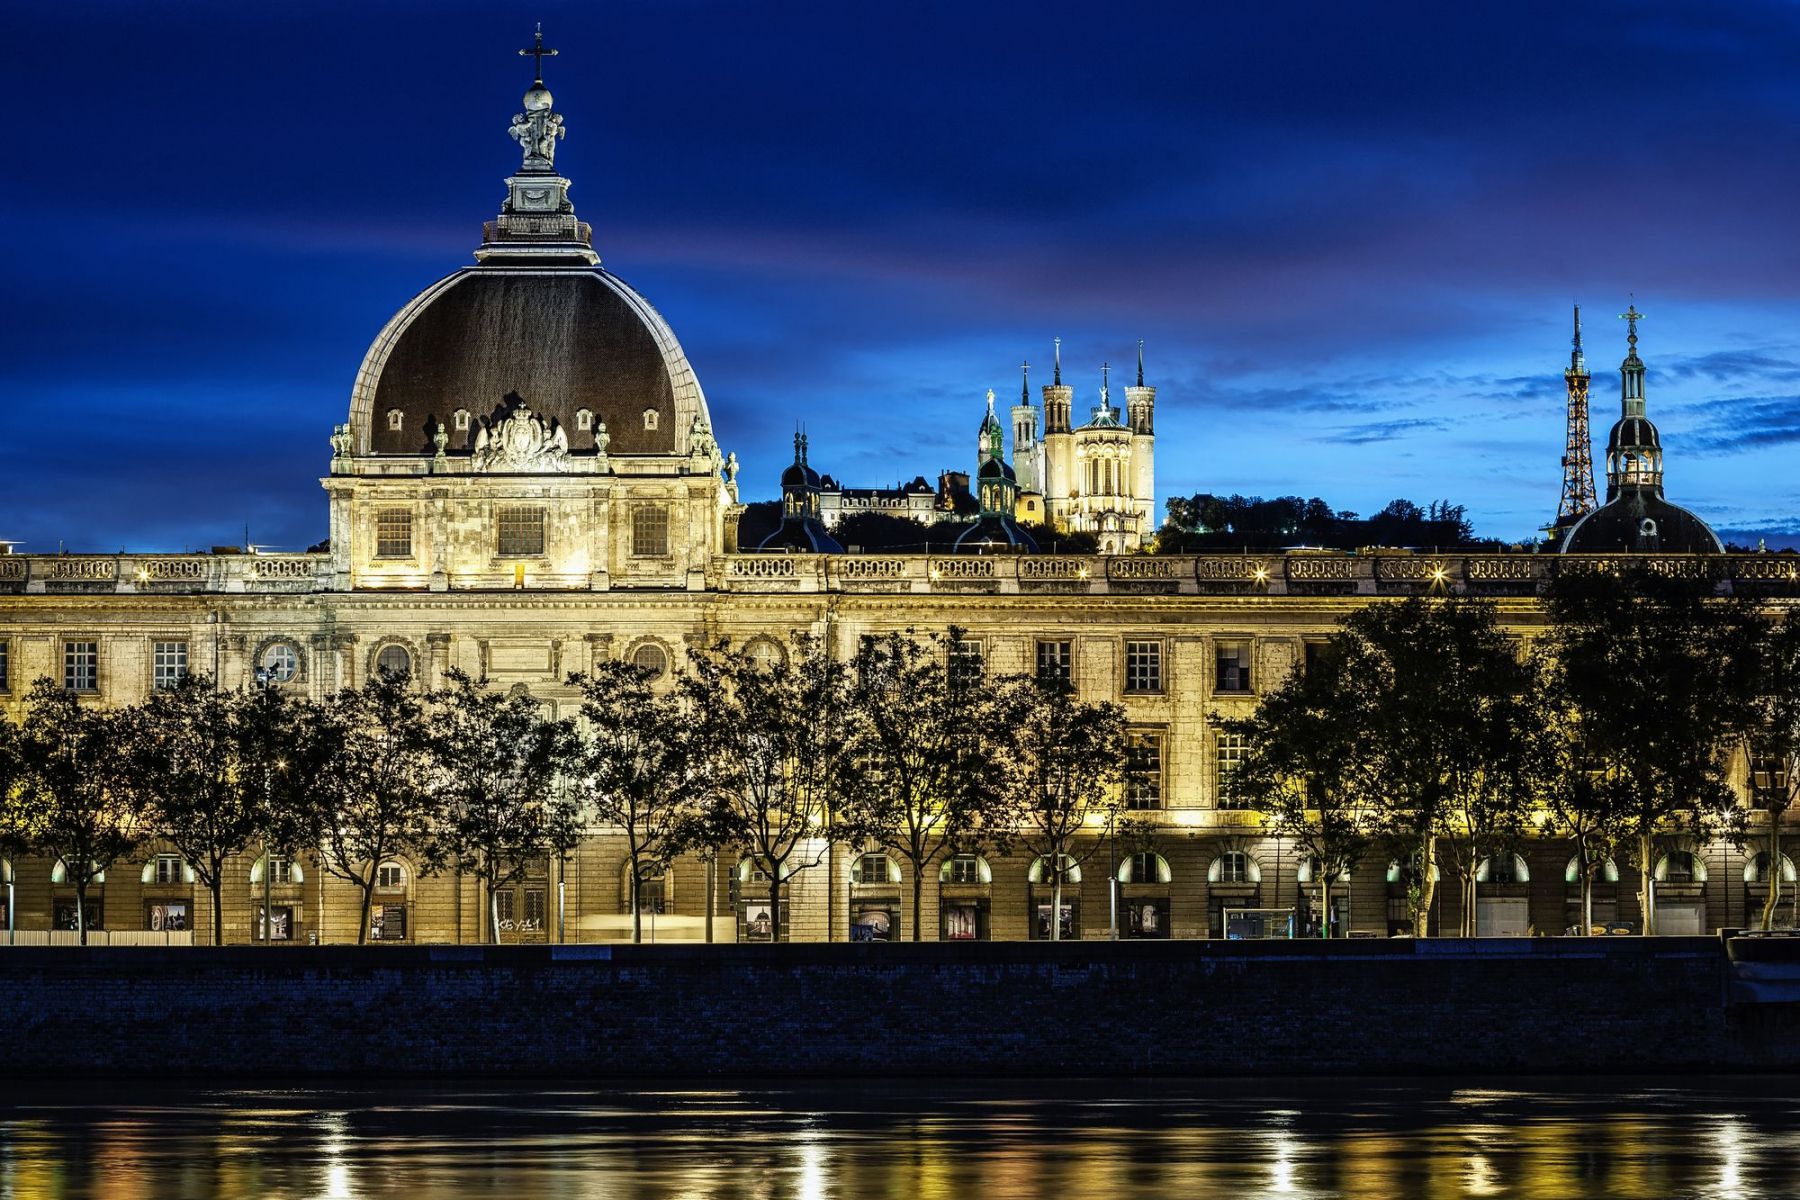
874, 1140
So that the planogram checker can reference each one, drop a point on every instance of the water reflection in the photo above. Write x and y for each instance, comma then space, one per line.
1344, 1138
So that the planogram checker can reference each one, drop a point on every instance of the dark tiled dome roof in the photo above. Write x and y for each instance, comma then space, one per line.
1634, 431
561, 339
1640, 520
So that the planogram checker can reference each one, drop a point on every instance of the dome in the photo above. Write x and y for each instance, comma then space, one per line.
1634, 431
804, 536
995, 532
800, 475
1641, 521
563, 339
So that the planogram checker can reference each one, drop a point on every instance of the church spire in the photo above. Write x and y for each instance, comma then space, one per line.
1025, 384
1631, 371
537, 223
1140, 381
1056, 380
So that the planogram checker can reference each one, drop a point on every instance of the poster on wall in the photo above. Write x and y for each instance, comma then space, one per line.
167, 918
1147, 918
1067, 921
872, 925
960, 923
759, 924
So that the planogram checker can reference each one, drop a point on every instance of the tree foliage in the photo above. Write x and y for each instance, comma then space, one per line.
636, 768
926, 771
1209, 522
499, 785
1655, 673
776, 729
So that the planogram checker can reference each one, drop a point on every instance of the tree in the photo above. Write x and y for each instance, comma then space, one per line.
1769, 740
1067, 778
775, 733
1582, 796
1431, 702
372, 794
636, 768
192, 753
1304, 770
71, 799
499, 785
927, 773
1654, 670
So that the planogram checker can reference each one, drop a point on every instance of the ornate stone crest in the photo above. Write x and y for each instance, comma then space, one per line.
521, 441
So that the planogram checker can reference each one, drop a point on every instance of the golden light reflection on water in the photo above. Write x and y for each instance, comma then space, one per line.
1717, 1140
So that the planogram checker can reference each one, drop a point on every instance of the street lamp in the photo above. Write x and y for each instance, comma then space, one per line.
265, 679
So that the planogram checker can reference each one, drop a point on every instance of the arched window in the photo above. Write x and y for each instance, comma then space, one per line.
1308, 872
1234, 866
1503, 868
1145, 867
652, 658
1757, 869
1608, 873
285, 871
59, 874
461, 420
1680, 866
874, 867
765, 652
393, 660
584, 419
649, 418
966, 870
1404, 873
166, 869
1071, 872
396, 419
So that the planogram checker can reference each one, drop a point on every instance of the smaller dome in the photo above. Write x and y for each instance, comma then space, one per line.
995, 468
803, 535
995, 533
537, 99
1634, 431
1640, 521
800, 475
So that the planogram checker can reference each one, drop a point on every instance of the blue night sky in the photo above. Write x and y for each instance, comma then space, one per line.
1350, 235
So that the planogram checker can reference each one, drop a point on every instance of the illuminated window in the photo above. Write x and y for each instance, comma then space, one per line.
650, 533
390, 877
966, 869
1143, 771
393, 533
967, 663
168, 868
650, 657
393, 660
280, 662
1234, 667
168, 664
281, 869
521, 531
396, 420
81, 666
1233, 866
1056, 662
1143, 666
1229, 749
873, 867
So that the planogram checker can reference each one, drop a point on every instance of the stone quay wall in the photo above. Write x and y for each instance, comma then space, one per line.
1620, 1005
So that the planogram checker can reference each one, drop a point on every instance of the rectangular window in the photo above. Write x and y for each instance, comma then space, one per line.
390, 877
503, 907
393, 533
871, 868
521, 530
1234, 667
1143, 666
1143, 771
281, 870
534, 908
168, 868
1310, 651
1056, 662
650, 533
168, 664
1230, 751
967, 659
81, 666
5, 665
63, 914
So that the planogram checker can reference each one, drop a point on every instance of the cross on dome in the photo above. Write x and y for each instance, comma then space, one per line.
537, 53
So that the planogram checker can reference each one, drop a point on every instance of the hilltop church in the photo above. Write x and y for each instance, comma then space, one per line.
529, 481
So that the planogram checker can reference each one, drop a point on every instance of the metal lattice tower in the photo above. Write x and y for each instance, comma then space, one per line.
1578, 495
